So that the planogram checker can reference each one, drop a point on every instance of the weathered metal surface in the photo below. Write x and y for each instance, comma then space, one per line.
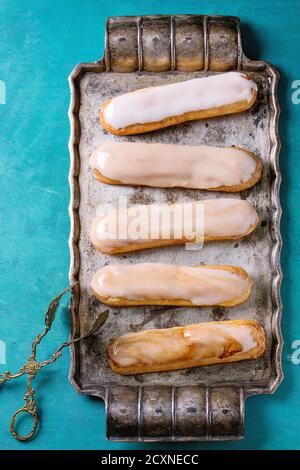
205, 403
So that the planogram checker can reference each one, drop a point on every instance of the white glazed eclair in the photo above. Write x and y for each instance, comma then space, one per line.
161, 106
166, 284
227, 169
182, 347
163, 225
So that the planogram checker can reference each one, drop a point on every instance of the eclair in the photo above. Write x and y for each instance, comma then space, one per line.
166, 284
161, 106
123, 229
183, 347
228, 169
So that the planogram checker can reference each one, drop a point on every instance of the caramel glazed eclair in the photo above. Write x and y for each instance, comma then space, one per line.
219, 219
182, 347
165, 284
228, 169
161, 106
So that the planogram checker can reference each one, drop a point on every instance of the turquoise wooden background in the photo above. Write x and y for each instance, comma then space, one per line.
41, 41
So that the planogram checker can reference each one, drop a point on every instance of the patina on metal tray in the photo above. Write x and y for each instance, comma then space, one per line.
204, 403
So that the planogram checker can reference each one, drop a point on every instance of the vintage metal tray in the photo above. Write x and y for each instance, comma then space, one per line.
205, 403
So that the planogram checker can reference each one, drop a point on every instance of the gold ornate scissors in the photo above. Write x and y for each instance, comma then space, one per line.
32, 366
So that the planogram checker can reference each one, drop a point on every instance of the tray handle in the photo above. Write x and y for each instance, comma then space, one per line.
158, 413
186, 43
